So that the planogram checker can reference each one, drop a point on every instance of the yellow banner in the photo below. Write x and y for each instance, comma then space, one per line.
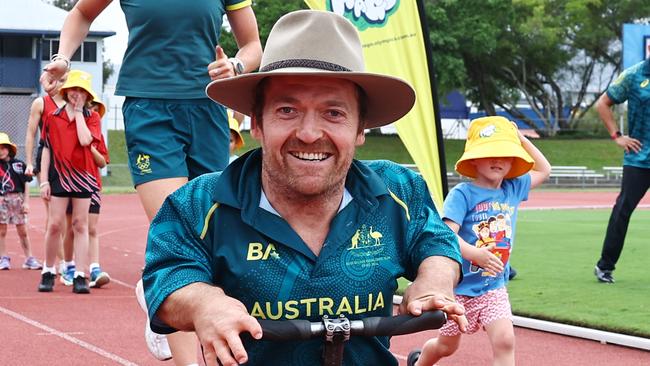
393, 44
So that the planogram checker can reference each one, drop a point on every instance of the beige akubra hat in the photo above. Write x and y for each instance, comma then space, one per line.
324, 44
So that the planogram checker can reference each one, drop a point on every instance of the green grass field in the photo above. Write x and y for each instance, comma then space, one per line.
555, 253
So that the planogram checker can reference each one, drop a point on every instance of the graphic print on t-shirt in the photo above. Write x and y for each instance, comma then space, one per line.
493, 229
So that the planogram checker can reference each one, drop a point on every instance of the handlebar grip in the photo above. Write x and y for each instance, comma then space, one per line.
286, 330
403, 324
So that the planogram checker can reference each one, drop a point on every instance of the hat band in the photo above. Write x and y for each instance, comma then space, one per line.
303, 63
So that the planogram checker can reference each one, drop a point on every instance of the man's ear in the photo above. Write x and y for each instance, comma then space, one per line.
361, 139
256, 131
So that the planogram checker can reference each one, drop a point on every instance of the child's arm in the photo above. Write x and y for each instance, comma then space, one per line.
45, 171
542, 168
481, 256
98, 158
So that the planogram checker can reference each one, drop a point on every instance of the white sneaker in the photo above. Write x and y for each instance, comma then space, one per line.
157, 343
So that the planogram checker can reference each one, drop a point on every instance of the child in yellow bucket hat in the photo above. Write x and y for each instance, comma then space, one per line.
236, 139
504, 165
14, 203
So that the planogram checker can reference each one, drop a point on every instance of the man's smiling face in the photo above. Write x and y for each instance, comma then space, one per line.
309, 132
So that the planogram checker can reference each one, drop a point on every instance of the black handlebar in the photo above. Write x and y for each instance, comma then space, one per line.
285, 330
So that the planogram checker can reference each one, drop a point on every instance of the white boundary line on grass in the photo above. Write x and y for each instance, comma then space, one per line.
78, 342
576, 207
573, 331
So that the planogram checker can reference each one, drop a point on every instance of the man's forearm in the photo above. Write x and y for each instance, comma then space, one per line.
179, 309
438, 275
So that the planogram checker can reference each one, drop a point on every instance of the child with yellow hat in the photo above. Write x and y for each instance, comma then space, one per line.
69, 174
14, 203
504, 166
236, 139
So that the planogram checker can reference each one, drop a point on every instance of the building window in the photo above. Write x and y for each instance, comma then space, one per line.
16, 46
87, 52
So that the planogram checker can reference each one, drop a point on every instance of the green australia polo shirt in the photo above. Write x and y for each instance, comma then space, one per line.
213, 230
633, 85
170, 45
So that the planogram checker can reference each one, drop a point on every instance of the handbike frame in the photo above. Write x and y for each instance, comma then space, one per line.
336, 331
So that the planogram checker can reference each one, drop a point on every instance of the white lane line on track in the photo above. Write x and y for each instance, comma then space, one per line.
113, 280
73, 340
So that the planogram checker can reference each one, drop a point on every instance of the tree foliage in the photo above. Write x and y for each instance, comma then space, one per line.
267, 13
546, 52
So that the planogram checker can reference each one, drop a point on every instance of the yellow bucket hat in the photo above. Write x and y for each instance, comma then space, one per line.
101, 107
80, 79
233, 124
494, 137
4, 140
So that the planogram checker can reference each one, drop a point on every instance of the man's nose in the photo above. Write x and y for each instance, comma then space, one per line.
309, 130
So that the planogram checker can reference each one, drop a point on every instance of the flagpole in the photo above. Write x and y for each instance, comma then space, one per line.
434, 97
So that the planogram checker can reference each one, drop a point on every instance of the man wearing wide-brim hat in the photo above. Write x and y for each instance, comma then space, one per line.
298, 229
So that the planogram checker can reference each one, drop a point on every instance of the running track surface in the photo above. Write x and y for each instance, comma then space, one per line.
106, 327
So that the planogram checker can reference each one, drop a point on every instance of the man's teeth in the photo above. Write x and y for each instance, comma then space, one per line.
310, 156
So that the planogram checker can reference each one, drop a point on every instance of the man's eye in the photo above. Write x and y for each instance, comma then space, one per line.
286, 110
334, 113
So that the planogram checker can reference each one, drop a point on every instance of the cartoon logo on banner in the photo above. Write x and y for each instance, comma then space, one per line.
364, 13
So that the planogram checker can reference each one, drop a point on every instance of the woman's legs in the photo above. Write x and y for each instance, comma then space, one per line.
152, 195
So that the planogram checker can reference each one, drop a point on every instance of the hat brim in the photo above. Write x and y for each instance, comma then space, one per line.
389, 98
522, 163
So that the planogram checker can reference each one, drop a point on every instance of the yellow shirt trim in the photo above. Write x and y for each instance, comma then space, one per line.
401, 203
207, 220
238, 6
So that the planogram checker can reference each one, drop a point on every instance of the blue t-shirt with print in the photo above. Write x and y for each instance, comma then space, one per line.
214, 230
486, 217
171, 43
633, 85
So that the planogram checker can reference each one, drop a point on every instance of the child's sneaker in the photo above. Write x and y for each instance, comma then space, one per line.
413, 357
32, 263
98, 278
5, 263
80, 285
68, 277
47, 282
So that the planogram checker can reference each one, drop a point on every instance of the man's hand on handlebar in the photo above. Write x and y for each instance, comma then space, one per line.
454, 310
218, 326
